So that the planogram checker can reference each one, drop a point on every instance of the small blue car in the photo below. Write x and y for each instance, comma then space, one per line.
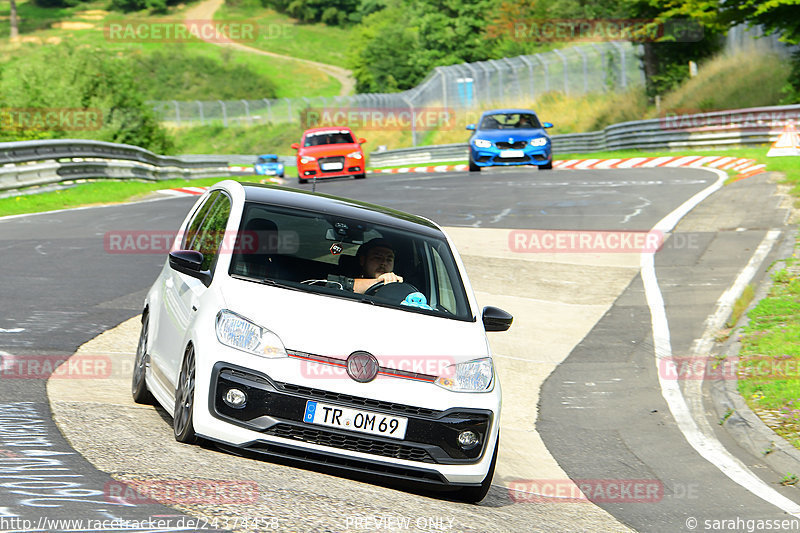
268, 165
509, 137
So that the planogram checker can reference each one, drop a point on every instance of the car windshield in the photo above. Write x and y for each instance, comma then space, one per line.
510, 121
268, 159
328, 137
316, 252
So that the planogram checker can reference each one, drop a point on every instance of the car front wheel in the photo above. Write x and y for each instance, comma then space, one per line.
138, 383
547, 166
472, 166
184, 400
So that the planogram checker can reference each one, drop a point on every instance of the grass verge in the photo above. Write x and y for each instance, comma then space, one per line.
770, 354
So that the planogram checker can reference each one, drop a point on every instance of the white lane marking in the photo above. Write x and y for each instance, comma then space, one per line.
637, 211
12, 330
500, 216
705, 444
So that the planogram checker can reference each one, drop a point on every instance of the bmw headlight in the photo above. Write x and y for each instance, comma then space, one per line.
470, 376
355, 155
307, 159
482, 143
238, 332
539, 141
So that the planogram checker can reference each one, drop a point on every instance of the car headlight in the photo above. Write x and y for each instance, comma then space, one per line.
307, 159
482, 143
539, 141
238, 332
355, 155
470, 376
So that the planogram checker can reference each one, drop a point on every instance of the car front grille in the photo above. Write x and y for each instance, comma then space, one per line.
349, 442
512, 159
518, 145
357, 402
338, 159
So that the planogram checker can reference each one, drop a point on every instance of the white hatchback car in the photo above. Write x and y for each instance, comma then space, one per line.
254, 336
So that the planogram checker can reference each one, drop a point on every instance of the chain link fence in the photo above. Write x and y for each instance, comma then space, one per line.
606, 66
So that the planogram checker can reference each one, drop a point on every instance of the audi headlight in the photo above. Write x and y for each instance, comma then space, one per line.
238, 332
539, 141
355, 155
307, 159
470, 376
482, 143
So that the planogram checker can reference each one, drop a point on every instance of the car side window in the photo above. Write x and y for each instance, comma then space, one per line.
210, 233
197, 219
444, 288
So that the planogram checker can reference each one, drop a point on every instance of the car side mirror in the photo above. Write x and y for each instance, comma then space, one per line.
189, 262
471, 127
547, 125
495, 319
361, 140
296, 146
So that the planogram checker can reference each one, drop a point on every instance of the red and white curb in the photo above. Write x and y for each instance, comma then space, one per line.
197, 191
745, 167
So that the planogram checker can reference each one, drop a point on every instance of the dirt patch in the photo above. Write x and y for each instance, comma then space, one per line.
72, 25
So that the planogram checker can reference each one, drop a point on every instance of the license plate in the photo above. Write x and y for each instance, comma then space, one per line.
512, 153
332, 166
334, 416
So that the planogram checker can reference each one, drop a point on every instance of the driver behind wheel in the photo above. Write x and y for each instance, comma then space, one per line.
375, 260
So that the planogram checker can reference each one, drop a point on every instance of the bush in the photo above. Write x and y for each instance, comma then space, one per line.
68, 78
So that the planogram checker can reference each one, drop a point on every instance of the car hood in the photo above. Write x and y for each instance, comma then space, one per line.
336, 327
514, 135
327, 150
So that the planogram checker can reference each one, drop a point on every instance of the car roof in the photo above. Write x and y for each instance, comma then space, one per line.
510, 110
268, 155
328, 128
337, 206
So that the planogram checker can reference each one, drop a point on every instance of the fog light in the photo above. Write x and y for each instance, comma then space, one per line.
467, 439
236, 398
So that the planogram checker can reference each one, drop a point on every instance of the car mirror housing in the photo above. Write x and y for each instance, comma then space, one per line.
495, 319
471, 127
361, 140
296, 146
189, 262
548, 124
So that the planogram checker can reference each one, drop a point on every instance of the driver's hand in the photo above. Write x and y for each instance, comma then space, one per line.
390, 277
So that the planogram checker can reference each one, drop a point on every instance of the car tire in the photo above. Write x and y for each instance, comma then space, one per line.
301, 181
472, 166
360, 176
548, 166
476, 494
182, 418
139, 389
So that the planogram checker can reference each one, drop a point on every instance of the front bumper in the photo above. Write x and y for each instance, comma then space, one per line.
488, 157
337, 167
273, 419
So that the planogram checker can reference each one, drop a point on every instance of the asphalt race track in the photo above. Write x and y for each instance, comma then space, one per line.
591, 407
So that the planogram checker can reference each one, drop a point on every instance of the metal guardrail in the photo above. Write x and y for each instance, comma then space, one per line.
29, 163
712, 130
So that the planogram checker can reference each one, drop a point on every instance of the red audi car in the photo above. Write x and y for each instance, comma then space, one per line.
329, 153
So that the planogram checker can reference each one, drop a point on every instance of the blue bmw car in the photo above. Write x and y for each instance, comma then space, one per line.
509, 137
268, 165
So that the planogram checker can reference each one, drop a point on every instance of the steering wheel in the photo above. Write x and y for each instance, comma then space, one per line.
391, 290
